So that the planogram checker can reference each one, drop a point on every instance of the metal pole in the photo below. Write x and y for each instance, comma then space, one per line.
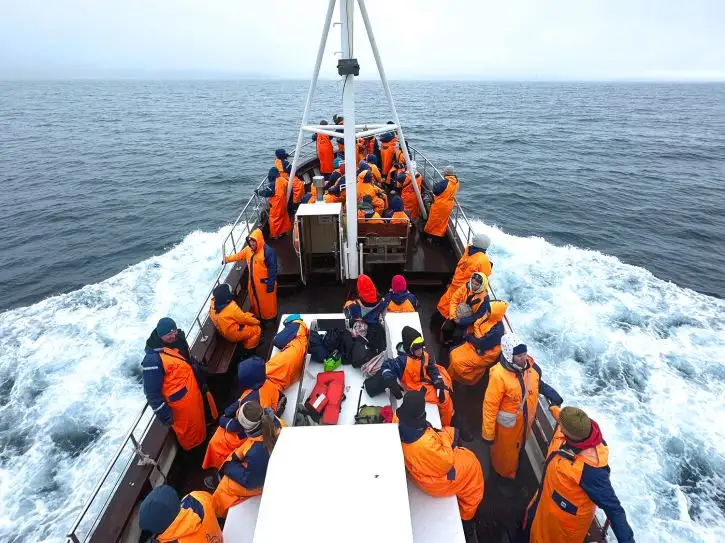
347, 12
386, 86
311, 93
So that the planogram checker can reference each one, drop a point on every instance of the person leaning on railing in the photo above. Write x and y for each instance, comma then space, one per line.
444, 198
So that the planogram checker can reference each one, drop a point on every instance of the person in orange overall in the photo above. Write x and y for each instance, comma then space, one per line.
438, 465
261, 262
405, 187
361, 150
298, 188
230, 321
400, 299
172, 386
339, 120
444, 196
252, 379
474, 259
310, 194
285, 367
509, 406
388, 145
325, 152
468, 304
365, 187
481, 348
280, 161
276, 191
242, 474
415, 368
169, 519
366, 212
574, 483
372, 162
396, 213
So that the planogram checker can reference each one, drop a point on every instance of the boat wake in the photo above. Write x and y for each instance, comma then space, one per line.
641, 355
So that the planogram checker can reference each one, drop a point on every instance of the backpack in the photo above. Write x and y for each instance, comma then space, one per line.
369, 414
317, 349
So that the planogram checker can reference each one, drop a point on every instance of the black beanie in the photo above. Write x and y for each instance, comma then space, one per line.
222, 293
409, 335
412, 411
159, 509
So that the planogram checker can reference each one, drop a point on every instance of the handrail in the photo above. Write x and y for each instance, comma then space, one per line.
248, 218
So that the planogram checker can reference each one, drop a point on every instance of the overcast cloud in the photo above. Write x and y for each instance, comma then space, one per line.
481, 39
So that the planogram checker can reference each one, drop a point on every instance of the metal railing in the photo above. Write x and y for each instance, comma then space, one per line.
130, 445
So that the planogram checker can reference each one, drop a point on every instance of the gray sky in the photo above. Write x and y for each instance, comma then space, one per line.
480, 39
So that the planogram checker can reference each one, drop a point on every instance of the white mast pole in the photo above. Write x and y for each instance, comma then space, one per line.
347, 14
311, 93
386, 86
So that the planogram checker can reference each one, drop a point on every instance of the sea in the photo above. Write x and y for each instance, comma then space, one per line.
605, 203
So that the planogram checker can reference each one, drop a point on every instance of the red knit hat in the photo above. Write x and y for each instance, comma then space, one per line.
366, 289
399, 284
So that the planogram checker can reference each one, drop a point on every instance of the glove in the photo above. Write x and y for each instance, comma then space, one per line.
270, 285
441, 388
394, 388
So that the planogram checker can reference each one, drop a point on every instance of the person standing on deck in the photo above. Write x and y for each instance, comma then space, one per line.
190, 520
444, 195
230, 321
405, 187
415, 368
261, 262
281, 162
325, 152
435, 461
474, 259
276, 190
400, 299
509, 406
388, 145
574, 483
172, 386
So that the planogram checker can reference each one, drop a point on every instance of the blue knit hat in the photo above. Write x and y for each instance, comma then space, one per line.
159, 509
281, 154
165, 326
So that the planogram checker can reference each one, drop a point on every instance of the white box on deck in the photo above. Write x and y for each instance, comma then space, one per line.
336, 483
319, 208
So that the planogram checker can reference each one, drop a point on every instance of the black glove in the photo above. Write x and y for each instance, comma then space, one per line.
441, 388
394, 388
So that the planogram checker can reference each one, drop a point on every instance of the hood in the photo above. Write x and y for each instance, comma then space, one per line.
481, 241
281, 154
387, 137
484, 283
498, 310
187, 523
366, 289
222, 296
396, 204
251, 373
257, 236
399, 297
367, 177
272, 174
401, 176
363, 166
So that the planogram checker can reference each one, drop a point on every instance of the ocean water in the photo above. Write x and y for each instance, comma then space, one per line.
604, 202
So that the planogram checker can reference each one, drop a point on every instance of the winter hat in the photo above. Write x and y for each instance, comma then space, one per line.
165, 326
482, 241
251, 372
411, 337
372, 159
575, 422
448, 170
396, 203
511, 345
222, 293
366, 289
481, 278
336, 163
250, 417
272, 174
281, 154
159, 509
399, 284
323, 122
401, 176
363, 166
412, 411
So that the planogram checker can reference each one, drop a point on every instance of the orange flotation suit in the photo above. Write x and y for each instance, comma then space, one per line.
248, 465
325, 153
473, 299
473, 260
468, 363
387, 151
279, 221
280, 165
409, 197
195, 523
183, 396
236, 325
440, 469
285, 367
440, 210
509, 409
298, 190
415, 375
262, 270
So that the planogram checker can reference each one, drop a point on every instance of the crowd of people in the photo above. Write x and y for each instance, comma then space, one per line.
385, 190
576, 475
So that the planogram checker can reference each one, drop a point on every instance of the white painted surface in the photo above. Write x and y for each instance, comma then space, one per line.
319, 209
241, 521
336, 483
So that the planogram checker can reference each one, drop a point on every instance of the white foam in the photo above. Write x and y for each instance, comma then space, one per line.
644, 358
74, 359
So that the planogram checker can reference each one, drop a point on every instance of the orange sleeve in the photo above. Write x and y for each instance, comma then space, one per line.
241, 255
459, 296
441, 456
491, 405
555, 410
242, 317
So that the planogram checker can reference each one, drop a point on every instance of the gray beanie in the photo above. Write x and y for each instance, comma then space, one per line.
482, 241
448, 170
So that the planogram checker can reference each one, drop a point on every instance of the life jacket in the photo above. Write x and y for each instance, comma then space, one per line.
196, 521
234, 324
401, 302
561, 509
483, 325
440, 210
399, 217
184, 398
325, 153
285, 367
416, 374
387, 151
